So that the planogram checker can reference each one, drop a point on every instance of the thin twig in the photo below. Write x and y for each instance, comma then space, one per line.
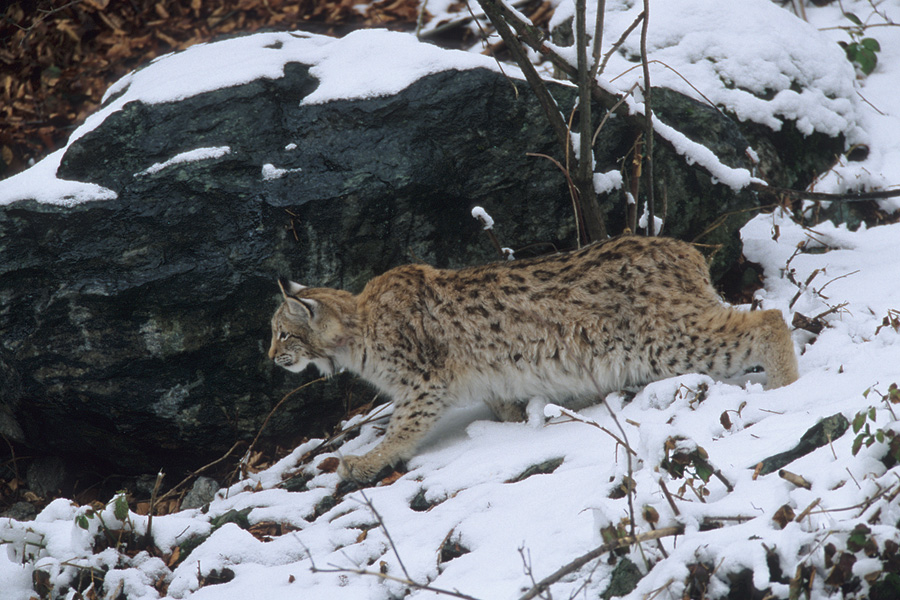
819, 291
276, 407
159, 477
597, 552
385, 576
200, 470
807, 510
683, 78
598, 37
387, 533
575, 417
535, 38
610, 112
620, 41
584, 169
627, 445
573, 192
494, 10
669, 498
758, 186
648, 128
408, 581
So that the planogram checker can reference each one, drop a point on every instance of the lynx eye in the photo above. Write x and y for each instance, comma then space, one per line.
283, 335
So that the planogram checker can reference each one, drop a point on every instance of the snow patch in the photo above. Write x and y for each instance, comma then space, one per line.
186, 157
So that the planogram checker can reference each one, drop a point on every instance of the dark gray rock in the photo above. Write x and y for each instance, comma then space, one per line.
20, 511
824, 432
45, 475
133, 332
201, 493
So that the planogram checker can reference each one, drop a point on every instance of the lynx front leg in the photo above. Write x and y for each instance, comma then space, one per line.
411, 421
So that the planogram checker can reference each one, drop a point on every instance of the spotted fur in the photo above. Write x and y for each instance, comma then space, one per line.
615, 314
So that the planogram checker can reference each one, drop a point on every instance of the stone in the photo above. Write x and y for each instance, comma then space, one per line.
201, 493
824, 432
45, 476
20, 511
134, 330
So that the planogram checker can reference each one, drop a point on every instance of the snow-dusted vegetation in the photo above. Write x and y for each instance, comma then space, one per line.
793, 492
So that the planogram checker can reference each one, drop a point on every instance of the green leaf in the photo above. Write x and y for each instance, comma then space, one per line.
879, 435
866, 60
704, 471
858, 421
857, 444
858, 538
853, 18
120, 509
870, 44
866, 393
82, 521
872, 414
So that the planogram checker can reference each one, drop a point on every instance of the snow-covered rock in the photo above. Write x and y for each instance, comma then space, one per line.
137, 265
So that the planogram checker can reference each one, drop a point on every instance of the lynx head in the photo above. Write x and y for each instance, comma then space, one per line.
312, 326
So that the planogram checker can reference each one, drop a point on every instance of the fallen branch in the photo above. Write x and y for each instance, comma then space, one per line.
758, 186
797, 480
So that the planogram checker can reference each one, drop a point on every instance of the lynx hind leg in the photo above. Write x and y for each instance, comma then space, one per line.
410, 423
507, 411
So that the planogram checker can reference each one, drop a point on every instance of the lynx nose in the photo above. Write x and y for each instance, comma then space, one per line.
272, 351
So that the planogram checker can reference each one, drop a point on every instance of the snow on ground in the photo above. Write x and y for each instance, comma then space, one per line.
463, 492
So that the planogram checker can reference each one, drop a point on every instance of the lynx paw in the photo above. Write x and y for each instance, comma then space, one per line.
361, 469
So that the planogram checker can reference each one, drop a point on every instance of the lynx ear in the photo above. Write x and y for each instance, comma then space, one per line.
299, 307
289, 288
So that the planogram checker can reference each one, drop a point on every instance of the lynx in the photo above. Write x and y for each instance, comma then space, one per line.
619, 313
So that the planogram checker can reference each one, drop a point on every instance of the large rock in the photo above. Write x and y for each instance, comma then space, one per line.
133, 330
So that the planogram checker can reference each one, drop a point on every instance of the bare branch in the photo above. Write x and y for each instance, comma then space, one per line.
597, 552
198, 471
598, 37
759, 186
385, 576
584, 171
495, 9
648, 127
387, 533
620, 41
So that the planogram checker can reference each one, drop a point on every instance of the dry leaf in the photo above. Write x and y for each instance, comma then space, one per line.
783, 516
329, 465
